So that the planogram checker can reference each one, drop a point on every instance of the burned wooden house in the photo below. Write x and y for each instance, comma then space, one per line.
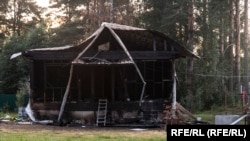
131, 70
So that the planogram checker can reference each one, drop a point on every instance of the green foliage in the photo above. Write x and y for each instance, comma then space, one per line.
16, 22
12, 72
70, 8
66, 34
21, 92
37, 37
166, 16
6, 108
209, 78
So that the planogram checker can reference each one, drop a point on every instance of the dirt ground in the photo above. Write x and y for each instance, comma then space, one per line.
12, 126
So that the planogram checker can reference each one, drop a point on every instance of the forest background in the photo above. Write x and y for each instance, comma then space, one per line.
217, 31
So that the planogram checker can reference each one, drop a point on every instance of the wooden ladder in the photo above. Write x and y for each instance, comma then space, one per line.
102, 112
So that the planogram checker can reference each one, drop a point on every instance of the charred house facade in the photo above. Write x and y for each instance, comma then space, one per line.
130, 69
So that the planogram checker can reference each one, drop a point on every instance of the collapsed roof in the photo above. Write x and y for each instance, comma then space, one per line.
138, 42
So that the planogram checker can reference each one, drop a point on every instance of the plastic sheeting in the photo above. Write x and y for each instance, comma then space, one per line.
30, 113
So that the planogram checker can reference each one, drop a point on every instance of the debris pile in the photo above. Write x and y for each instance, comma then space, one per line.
182, 116
6, 118
21, 118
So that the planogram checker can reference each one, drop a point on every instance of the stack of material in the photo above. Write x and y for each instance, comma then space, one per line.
181, 116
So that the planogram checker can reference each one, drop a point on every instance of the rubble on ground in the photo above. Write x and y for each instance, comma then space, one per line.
182, 116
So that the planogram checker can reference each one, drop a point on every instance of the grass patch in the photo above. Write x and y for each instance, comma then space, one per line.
209, 115
206, 116
81, 134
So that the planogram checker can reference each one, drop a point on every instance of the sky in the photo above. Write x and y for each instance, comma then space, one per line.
43, 3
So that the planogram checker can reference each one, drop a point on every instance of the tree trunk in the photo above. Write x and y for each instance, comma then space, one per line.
190, 60
222, 58
237, 47
222, 47
111, 10
231, 47
101, 13
205, 27
246, 47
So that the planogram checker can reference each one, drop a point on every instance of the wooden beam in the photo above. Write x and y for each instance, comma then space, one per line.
44, 82
31, 90
49, 55
116, 55
113, 83
79, 85
65, 94
174, 91
154, 43
92, 84
109, 55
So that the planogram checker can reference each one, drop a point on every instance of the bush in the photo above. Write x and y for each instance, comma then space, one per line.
20, 95
6, 108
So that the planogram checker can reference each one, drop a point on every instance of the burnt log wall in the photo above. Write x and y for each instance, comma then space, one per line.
92, 82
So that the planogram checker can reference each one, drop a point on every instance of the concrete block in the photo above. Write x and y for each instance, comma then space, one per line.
225, 119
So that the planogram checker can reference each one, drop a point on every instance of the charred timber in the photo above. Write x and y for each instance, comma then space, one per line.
108, 55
